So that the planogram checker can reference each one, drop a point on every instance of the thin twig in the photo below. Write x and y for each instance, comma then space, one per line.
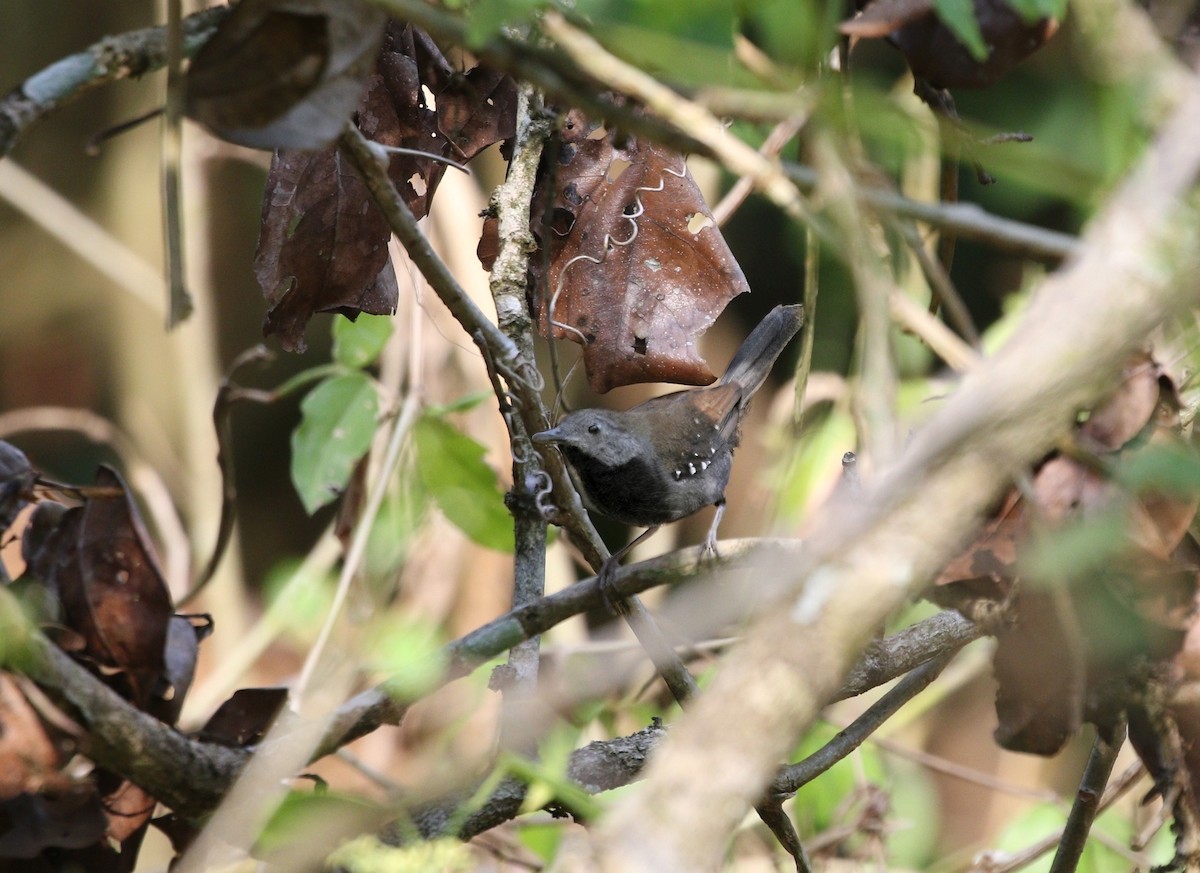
944, 292
1011, 863
222, 425
793, 777
180, 304
125, 56
1087, 799
779, 136
918, 321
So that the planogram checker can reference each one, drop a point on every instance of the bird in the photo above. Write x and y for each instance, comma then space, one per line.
671, 456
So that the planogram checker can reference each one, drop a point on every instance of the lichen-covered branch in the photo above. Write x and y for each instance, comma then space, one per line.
125, 56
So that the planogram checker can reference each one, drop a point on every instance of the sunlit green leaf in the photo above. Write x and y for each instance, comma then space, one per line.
358, 343
301, 811
1044, 820
368, 854
682, 42
462, 404
1034, 10
1173, 469
337, 422
464, 487
541, 839
486, 18
408, 653
298, 599
816, 463
959, 16
916, 816
400, 516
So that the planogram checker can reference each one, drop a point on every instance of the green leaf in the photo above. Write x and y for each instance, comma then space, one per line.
368, 854
301, 811
298, 598
408, 652
541, 839
337, 422
1174, 469
465, 488
486, 18
462, 404
959, 16
358, 343
1035, 10
684, 42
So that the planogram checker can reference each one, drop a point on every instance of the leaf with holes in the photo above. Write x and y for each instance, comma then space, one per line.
464, 487
322, 246
336, 426
638, 268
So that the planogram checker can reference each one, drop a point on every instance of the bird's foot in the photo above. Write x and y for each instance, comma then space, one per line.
708, 549
709, 553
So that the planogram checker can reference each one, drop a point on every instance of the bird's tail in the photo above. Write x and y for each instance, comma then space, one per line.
754, 359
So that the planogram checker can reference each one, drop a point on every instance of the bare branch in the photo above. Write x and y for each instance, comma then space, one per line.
111, 59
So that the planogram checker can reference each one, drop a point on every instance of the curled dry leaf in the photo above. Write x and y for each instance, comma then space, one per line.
284, 73
245, 717
322, 245
1038, 710
1066, 646
65, 821
638, 269
935, 54
16, 483
98, 561
29, 758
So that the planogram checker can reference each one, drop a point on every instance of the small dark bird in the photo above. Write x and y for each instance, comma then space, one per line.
670, 456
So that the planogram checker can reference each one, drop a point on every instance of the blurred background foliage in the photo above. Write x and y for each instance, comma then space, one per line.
74, 339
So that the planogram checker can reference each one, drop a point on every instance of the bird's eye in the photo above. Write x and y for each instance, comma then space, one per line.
593, 428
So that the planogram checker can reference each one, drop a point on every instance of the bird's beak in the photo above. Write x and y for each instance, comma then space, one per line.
548, 437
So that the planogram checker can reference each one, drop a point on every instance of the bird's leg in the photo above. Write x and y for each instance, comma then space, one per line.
708, 551
612, 598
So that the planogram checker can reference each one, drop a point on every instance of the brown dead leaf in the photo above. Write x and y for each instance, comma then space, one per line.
71, 819
1067, 654
882, 17
29, 758
128, 809
638, 268
284, 73
1039, 698
244, 718
934, 53
99, 562
1129, 409
322, 246
987, 567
